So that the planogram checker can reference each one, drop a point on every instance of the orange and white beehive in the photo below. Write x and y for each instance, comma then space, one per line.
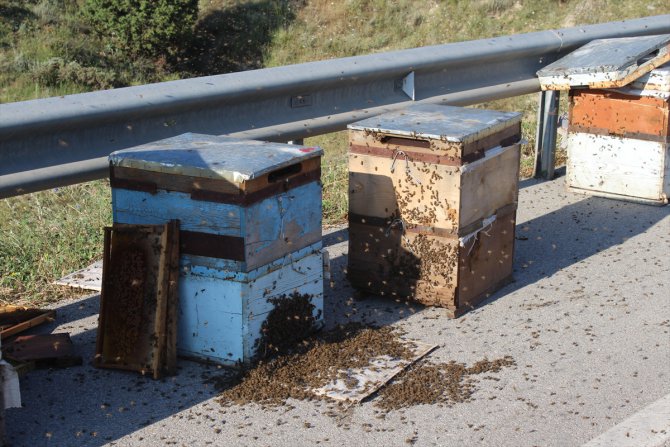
619, 140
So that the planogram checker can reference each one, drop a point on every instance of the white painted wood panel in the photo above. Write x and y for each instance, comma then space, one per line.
615, 165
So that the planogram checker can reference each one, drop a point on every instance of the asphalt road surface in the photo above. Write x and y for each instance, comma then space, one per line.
587, 322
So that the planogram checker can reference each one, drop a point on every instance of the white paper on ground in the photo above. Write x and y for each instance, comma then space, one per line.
89, 278
356, 384
10, 385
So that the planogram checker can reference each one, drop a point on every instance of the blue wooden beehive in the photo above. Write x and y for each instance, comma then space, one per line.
250, 231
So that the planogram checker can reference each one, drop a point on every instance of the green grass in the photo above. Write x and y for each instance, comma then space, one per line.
49, 234
334, 175
47, 49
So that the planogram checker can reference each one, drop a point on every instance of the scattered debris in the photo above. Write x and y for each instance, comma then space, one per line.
356, 384
312, 364
138, 303
430, 383
335, 356
16, 319
43, 351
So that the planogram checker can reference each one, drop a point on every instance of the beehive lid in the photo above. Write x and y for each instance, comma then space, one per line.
215, 157
439, 122
657, 79
606, 63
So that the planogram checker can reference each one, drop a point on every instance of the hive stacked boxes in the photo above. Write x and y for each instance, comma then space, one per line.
432, 204
250, 231
618, 140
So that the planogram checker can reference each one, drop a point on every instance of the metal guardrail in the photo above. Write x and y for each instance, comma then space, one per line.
64, 140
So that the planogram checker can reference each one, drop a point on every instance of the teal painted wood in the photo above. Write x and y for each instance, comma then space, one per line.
439, 122
215, 157
271, 228
217, 338
221, 300
220, 317
282, 224
304, 276
137, 207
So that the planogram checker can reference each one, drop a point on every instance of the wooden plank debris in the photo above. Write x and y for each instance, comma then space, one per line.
138, 304
16, 319
88, 278
43, 351
606, 63
356, 384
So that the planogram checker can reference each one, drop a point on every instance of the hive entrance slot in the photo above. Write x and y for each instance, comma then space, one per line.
283, 173
647, 57
400, 141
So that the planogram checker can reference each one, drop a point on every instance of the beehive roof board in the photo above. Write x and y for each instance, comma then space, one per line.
215, 157
657, 79
606, 63
655, 84
439, 122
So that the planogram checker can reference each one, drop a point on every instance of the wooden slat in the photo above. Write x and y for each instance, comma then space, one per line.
172, 316
212, 245
16, 319
43, 351
162, 284
613, 113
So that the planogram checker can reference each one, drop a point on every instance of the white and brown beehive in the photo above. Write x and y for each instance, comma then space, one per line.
432, 204
618, 140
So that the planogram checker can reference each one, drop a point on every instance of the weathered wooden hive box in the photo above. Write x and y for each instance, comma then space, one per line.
250, 231
618, 140
432, 204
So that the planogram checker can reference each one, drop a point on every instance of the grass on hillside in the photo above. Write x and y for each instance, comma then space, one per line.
46, 49
47, 235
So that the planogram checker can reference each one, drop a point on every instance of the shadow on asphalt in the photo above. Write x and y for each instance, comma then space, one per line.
95, 406
544, 245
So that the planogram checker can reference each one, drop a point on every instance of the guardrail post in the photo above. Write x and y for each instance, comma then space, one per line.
545, 137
